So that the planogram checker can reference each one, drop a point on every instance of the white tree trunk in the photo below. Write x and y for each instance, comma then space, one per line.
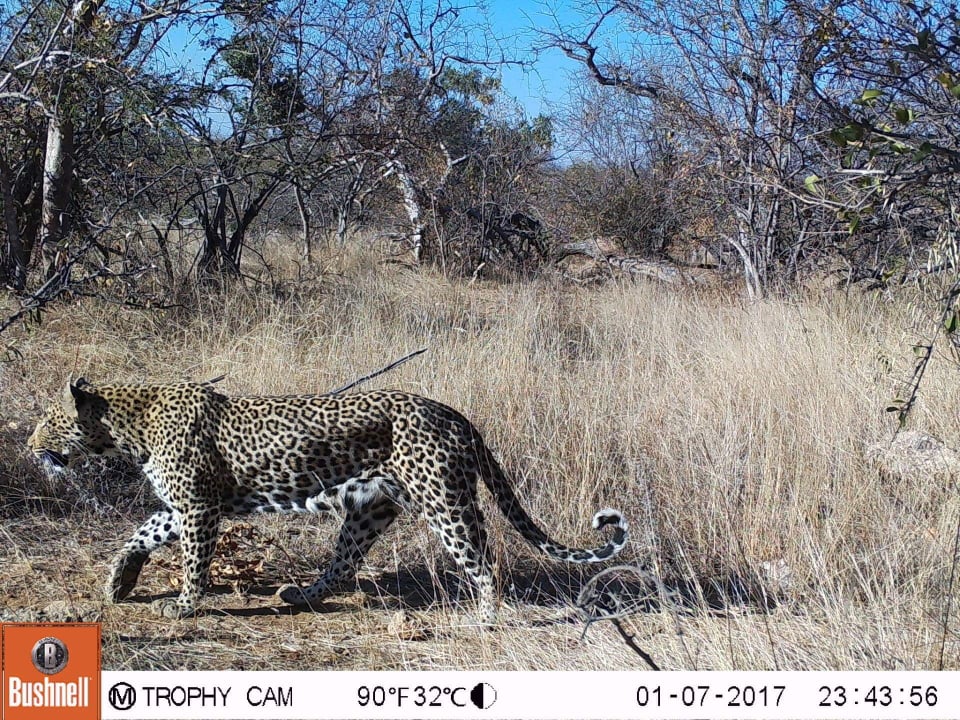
413, 208
59, 158
57, 185
304, 223
750, 275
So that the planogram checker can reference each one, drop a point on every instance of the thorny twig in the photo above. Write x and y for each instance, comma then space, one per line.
947, 322
631, 641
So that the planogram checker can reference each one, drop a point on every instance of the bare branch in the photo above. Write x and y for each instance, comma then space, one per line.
585, 52
377, 373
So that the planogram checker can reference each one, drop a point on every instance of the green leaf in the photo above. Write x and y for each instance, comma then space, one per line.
951, 322
850, 133
838, 137
811, 184
904, 115
869, 96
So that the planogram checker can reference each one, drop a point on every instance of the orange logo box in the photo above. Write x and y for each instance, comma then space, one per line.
51, 670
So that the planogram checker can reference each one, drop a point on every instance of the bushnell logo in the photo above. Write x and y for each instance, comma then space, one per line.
50, 670
50, 655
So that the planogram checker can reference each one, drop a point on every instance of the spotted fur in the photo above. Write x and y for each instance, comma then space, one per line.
364, 457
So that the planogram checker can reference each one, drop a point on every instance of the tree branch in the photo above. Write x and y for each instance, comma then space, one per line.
377, 373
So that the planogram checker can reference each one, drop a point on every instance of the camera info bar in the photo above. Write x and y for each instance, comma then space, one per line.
531, 695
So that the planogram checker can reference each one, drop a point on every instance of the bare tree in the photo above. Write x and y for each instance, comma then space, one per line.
732, 78
318, 107
892, 98
80, 69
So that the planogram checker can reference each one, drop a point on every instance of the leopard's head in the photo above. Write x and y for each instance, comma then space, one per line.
72, 428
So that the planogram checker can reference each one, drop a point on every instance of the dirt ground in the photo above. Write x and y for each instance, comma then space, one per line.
416, 616
396, 619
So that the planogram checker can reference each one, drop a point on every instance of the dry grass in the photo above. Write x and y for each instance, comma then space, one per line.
731, 434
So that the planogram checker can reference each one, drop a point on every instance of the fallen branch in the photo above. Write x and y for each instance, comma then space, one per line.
605, 251
377, 373
632, 643
613, 594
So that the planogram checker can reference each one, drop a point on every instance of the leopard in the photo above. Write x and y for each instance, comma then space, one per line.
363, 457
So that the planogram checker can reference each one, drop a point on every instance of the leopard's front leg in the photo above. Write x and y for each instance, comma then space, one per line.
162, 528
199, 528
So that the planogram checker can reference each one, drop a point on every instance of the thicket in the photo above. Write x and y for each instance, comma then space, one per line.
158, 146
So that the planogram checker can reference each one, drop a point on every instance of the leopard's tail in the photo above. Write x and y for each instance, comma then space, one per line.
500, 487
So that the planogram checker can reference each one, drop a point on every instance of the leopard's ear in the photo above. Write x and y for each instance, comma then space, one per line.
74, 397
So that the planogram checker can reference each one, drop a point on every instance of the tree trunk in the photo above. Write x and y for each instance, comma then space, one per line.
343, 224
609, 253
57, 186
59, 159
413, 208
304, 223
15, 261
751, 276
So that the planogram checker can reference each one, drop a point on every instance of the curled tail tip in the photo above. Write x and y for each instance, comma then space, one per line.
602, 519
609, 516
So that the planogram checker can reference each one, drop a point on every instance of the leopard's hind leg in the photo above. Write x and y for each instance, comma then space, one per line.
363, 524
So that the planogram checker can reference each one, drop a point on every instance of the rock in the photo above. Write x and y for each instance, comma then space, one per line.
777, 576
915, 456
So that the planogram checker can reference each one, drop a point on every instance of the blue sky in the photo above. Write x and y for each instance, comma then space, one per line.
539, 88
545, 84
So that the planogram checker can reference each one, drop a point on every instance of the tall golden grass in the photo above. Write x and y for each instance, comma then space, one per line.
730, 433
